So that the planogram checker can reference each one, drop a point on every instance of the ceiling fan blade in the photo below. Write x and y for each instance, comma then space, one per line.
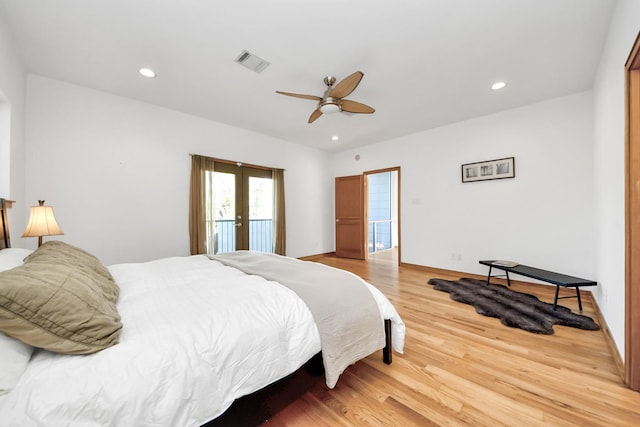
355, 107
300, 95
317, 113
347, 85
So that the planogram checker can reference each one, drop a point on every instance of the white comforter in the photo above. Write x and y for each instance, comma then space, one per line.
196, 336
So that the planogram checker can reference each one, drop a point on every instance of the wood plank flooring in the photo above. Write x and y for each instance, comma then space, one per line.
461, 368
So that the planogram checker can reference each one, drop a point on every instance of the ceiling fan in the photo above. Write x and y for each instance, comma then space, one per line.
333, 99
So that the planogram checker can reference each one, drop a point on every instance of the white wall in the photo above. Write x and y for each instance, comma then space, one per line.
543, 217
12, 124
117, 172
5, 146
608, 92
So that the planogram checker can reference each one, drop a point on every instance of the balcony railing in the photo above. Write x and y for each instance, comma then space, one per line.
260, 235
379, 235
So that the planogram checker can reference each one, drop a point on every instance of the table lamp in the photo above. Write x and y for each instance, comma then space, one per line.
42, 223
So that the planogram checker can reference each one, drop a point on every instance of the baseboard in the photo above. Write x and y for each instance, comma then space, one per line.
612, 344
316, 256
442, 271
445, 272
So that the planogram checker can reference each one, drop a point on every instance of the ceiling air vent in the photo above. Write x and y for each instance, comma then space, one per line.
252, 61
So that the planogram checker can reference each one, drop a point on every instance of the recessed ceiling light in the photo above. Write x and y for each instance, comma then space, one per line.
147, 72
335, 138
498, 85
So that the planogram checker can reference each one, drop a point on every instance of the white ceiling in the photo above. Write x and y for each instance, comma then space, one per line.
427, 63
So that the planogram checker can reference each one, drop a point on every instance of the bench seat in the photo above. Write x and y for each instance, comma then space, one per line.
557, 279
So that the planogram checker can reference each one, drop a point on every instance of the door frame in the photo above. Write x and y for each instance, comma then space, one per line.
632, 217
373, 172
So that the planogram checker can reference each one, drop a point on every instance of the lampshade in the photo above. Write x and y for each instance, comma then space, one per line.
42, 222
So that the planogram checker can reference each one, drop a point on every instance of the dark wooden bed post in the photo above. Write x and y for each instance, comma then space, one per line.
386, 351
5, 236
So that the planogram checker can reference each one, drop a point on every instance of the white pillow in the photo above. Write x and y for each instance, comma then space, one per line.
14, 358
12, 257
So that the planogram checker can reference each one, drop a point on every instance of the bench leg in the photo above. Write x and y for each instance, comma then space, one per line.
555, 301
489, 277
579, 300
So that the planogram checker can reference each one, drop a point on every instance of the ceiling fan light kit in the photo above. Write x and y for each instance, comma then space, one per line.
330, 105
332, 100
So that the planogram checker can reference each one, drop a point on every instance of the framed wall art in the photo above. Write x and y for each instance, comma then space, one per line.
490, 169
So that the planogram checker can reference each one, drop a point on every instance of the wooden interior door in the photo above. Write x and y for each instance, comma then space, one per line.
632, 323
350, 217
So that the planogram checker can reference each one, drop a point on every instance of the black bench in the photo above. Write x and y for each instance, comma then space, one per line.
544, 275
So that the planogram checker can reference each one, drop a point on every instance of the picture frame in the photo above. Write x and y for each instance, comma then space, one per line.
489, 170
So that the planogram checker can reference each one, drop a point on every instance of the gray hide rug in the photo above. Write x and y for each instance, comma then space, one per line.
514, 309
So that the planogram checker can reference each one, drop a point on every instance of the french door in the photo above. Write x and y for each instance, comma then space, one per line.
242, 208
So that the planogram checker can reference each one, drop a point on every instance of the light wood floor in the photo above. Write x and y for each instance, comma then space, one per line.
461, 368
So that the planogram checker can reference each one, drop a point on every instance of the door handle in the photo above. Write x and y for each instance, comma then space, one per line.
238, 224
337, 219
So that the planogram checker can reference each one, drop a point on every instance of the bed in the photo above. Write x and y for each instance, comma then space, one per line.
179, 339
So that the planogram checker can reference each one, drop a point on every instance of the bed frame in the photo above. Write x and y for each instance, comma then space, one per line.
5, 236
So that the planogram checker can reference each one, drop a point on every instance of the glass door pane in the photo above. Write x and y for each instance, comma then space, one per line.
379, 211
260, 214
239, 209
224, 211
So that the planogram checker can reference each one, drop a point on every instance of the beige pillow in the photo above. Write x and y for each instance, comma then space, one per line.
90, 267
61, 299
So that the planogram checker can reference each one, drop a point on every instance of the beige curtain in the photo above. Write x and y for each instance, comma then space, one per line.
279, 223
201, 237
